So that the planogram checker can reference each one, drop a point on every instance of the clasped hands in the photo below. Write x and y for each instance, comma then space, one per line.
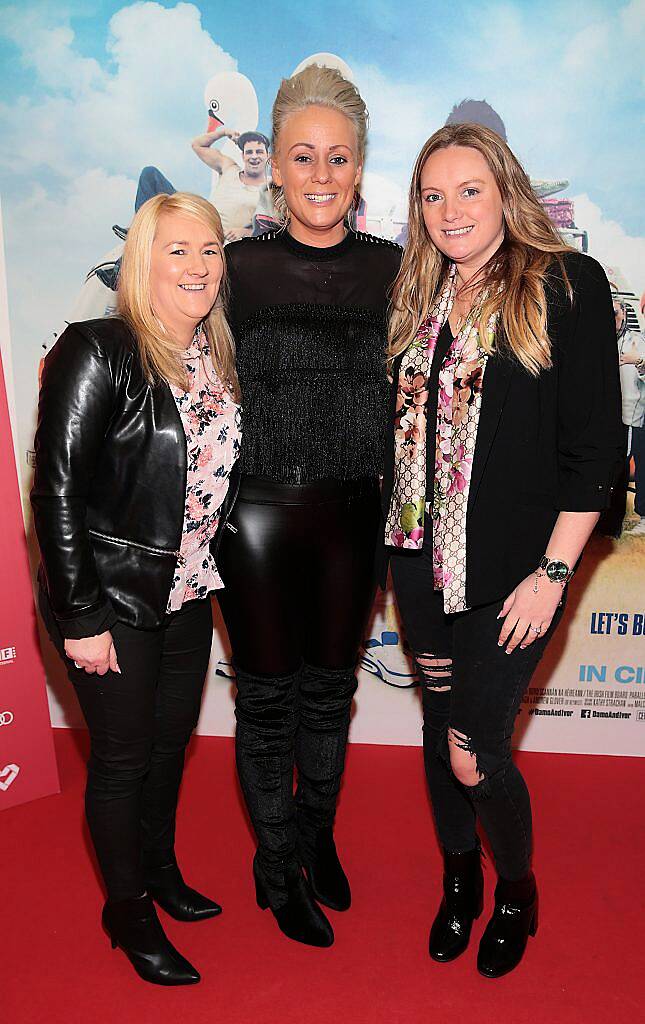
528, 615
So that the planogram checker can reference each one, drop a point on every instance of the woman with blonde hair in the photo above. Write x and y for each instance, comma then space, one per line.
308, 308
505, 443
138, 435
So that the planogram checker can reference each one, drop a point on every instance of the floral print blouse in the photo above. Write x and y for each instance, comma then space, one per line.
212, 424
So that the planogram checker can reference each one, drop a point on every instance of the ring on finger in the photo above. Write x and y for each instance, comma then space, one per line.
536, 629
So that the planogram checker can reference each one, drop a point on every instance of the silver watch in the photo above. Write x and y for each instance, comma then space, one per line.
555, 570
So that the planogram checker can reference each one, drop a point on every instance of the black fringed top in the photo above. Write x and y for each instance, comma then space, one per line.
310, 333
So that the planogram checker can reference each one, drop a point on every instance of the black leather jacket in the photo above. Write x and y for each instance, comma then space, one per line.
110, 483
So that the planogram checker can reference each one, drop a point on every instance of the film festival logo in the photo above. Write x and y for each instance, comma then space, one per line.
6, 717
8, 775
7, 656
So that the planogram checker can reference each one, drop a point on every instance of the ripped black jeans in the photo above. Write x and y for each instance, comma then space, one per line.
472, 692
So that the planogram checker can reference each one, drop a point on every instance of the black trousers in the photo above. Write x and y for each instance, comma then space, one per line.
484, 691
140, 722
298, 578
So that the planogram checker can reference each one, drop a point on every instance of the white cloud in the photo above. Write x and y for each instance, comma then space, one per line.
383, 196
587, 46
72, 153
401, 118
53, 245
611, 244
143, 110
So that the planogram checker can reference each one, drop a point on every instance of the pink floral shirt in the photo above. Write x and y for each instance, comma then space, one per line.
212, 424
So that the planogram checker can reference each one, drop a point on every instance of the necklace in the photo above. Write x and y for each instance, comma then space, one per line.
468, 304
462, 318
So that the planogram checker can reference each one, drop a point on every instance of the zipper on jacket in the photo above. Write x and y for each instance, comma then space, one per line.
133, 544
225, 524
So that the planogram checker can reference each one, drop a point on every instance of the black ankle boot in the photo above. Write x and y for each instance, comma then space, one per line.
463, 887
325, 873
300, 918
515, 918
133, 925
167, 887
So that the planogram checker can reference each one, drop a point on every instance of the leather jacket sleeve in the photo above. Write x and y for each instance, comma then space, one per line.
76, 404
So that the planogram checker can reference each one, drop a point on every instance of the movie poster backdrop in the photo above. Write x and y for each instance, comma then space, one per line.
147, 97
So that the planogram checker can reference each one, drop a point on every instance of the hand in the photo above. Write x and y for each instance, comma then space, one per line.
631, 357
231, 236
233, 135
524, 611
93, 653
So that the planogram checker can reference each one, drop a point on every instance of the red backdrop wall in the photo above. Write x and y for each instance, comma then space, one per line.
27, 762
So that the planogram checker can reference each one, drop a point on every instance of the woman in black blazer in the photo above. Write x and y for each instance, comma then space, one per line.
506, 442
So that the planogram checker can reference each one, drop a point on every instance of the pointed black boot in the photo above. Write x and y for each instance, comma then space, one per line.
167, 888
326, 877
463, 889
515, 918
134, 927
300, 918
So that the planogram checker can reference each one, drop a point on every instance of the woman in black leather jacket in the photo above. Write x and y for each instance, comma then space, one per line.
138, 434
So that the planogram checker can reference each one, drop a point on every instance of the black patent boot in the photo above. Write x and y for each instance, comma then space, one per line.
134, 927
515, 918
299, 918
463, 895
167, 888
325, 872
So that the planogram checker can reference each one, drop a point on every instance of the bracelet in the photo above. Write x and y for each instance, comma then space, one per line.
538, 576
555, 570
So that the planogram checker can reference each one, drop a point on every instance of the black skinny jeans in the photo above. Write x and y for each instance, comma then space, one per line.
140, 722
298, 585
478, 711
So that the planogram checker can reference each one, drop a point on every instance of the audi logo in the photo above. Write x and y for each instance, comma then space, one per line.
6, 717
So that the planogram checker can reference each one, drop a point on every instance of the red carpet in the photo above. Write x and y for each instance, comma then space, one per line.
584, 967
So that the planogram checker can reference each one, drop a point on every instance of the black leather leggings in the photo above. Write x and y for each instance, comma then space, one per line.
298, 578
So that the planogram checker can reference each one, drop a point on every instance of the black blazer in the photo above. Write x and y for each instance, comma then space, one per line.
110, 483
545, 444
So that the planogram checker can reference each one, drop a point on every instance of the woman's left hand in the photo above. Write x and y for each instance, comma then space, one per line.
528, 615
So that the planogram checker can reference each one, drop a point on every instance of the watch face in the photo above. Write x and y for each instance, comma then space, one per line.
557, 571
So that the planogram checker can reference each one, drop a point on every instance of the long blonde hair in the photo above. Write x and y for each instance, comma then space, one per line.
316, 86
158, 351
514, 276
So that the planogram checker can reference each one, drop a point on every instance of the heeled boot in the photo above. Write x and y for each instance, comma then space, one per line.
462, 903
134, 927
325, 873
167, 888
324, 703
299, 918
515, 917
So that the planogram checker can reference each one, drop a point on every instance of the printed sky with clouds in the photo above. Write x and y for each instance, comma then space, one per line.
93, 91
